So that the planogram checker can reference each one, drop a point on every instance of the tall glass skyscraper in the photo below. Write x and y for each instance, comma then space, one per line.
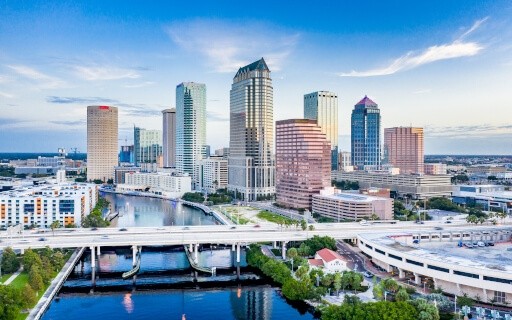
322, 106
251, 163
190, 129
169, 137
365, 136
147, 145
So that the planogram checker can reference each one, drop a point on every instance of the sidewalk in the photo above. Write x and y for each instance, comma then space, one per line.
11, 278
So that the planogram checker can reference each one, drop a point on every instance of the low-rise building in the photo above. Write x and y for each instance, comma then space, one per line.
120, 172
490, 197
41, 205
167, 184
435, 168
328, 261
332, 203
414, 186
214, 174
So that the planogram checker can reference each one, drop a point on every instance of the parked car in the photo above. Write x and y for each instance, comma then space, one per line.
368, 274
491, 244
448, 221
480, 244
468, 245
416, 241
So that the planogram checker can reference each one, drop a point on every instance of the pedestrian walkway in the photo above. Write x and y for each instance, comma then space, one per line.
11, 278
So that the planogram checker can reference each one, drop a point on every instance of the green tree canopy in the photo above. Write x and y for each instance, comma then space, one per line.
10, 262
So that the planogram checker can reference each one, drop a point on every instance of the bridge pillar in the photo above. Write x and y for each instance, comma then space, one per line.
196, 254
274, 245
238, 254
98, 249
283, 250
233, 247
190, 249
417, 279
93, 257
401, 273
134, 255
451, 236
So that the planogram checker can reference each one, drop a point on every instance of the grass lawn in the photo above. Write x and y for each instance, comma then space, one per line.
5, 277
272, 217
20, 281
276, 252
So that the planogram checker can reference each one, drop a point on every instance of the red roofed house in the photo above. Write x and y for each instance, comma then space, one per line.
329, 261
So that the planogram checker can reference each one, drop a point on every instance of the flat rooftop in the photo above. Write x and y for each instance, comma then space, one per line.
447, 252
355, 197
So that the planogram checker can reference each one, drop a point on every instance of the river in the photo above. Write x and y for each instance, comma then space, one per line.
166, 287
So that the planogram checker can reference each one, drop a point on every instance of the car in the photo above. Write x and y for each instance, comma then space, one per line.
468, 245
368, 274
448, 221
233, 227
94, 229
480, 244
438, 228
491, 244
23, 240
416, 241
104, 236
186, 228
123, 229
419, 222
42, 239
257, 226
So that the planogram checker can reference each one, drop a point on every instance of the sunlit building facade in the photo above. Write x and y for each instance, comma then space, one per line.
102, 142
365, 135
403, 149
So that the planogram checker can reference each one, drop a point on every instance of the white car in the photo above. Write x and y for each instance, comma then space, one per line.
368, 274
481, 244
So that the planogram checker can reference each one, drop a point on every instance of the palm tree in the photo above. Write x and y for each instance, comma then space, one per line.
55, 225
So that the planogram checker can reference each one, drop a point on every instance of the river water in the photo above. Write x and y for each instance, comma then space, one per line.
166, 287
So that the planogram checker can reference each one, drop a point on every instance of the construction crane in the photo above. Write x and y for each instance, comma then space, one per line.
75, 151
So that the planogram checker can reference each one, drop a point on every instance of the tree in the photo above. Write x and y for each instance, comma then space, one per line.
31, 258
55, 225
29, 296
402, 295
472, 219
303, 225
10, 303
426, 310
34, 278
311, 227
10, 262
301, 271
337, 282
292, 253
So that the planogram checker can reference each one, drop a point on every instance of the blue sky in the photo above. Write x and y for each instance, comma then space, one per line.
443, 65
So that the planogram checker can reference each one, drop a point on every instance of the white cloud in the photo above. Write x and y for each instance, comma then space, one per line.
140, 85
422, 91
105, 73
44, 81
228, 46
6, 95
411, 60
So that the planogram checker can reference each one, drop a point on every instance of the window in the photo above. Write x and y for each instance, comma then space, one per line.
438, 268
499, 296
497, 279
414, 262
380, 251
369, 247
466, 274
394, 256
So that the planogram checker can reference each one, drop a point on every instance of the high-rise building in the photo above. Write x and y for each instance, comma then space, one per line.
190, 129
127, 154
345, 161
169, 137
303, 162
403, 148
214, 174
322, 106
365, 135
251, 157
102, 144
148, 145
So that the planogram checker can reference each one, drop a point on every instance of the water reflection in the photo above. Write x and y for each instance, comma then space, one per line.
128, 303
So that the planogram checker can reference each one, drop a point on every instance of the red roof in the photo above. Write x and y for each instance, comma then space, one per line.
316, 262
328, 255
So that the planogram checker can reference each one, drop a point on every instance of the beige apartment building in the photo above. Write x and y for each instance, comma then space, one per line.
403, 148
102, 142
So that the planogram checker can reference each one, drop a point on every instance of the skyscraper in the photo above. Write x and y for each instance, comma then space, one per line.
102, 144
251, 157
190, 129
169, 137
322, 106
365, 135
303, 162
147, 145
403, 148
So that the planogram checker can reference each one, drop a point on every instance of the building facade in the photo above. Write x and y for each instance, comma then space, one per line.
190, 129
127, 154
332, 203
322, 106
169, 138
102, 142
403, 149
251, 157
214, 174
41, 205
365, 135
120, 172
147, 145
303, 162
172, 185
401, 185
489, 197
435, 168
345, 161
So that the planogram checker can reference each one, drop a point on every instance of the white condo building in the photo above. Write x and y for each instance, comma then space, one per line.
214, 174
251, 143
41, 205
322, 106
169, 137
102, 144
190, 129
172, 185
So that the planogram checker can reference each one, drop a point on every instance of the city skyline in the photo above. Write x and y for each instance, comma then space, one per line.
439, 66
